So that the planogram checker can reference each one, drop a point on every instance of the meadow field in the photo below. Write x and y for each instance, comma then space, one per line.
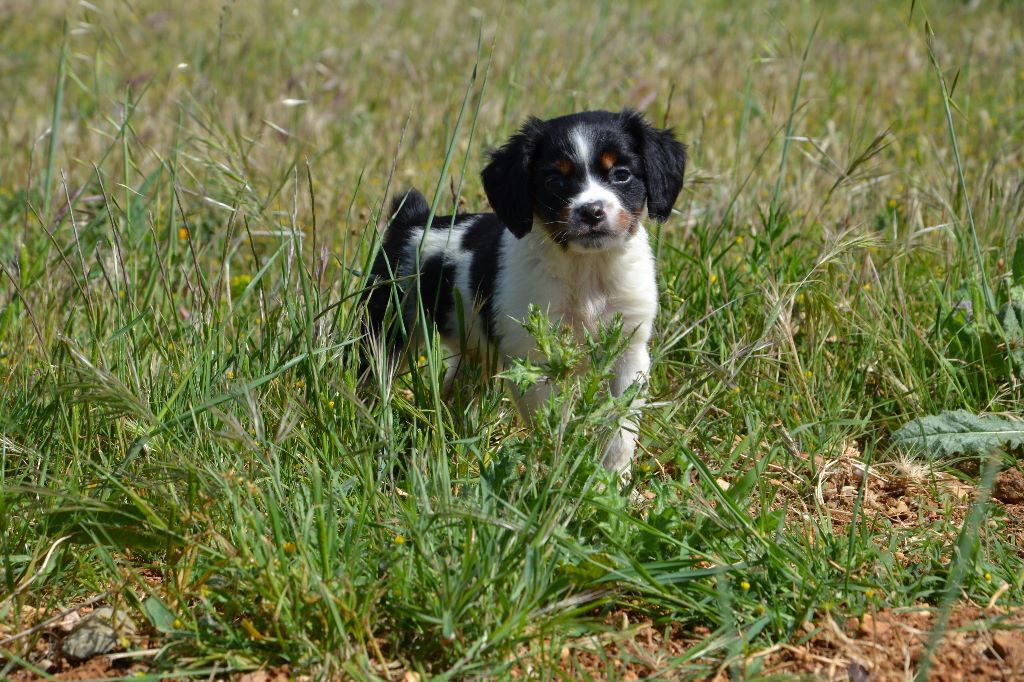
829, 479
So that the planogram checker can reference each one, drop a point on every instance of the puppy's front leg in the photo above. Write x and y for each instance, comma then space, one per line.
632, 366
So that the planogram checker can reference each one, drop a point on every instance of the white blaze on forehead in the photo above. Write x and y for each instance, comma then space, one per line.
593, 188
581, 147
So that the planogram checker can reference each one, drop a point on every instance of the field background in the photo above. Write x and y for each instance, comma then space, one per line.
188, 197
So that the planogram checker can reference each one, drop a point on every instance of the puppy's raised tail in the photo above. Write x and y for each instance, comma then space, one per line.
409, 210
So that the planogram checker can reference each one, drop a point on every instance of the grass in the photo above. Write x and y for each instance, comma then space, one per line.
189, 198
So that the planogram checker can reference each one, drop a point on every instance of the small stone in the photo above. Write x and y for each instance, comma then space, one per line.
66, 624
857, 673
97, 633
902, 508
1009, 646
960, 491
872, 627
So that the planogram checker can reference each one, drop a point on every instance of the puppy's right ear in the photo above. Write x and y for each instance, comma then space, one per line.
507, 178
664, 160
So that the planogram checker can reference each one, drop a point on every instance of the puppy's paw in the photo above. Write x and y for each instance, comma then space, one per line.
618, 454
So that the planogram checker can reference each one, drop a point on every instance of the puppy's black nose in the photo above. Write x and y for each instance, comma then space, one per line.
591, 213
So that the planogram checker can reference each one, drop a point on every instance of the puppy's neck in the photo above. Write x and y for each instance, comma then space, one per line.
540, 236
573, 265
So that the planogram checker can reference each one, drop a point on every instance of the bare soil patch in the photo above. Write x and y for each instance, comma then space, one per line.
891, 645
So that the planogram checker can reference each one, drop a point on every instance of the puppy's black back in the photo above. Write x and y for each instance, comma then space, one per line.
392, 278
408, 211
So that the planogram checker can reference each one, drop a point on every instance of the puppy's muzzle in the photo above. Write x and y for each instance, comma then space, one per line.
590, 214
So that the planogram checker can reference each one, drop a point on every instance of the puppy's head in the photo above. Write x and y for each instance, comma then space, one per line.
586, 178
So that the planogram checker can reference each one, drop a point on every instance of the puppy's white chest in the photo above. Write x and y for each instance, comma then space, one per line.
586, 304
582, 291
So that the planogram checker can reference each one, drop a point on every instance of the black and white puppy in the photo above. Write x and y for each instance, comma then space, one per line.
570, 196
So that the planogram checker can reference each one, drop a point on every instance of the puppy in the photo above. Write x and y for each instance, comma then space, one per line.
570, 196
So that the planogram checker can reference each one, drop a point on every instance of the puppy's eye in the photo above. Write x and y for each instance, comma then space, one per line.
556, 183
620, 174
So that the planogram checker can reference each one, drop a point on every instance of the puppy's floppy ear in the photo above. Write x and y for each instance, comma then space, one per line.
507, 178
664, 161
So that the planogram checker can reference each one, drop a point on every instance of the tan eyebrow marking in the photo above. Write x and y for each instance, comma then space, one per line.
608, 160
564, 166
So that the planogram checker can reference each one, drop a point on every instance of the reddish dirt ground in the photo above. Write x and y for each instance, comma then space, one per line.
979, 644
891, 645
885, 646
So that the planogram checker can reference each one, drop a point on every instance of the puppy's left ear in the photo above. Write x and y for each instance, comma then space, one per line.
507, 178
664, 160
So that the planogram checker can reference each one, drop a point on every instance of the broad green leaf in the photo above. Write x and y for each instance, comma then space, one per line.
1018, 261
959, 431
